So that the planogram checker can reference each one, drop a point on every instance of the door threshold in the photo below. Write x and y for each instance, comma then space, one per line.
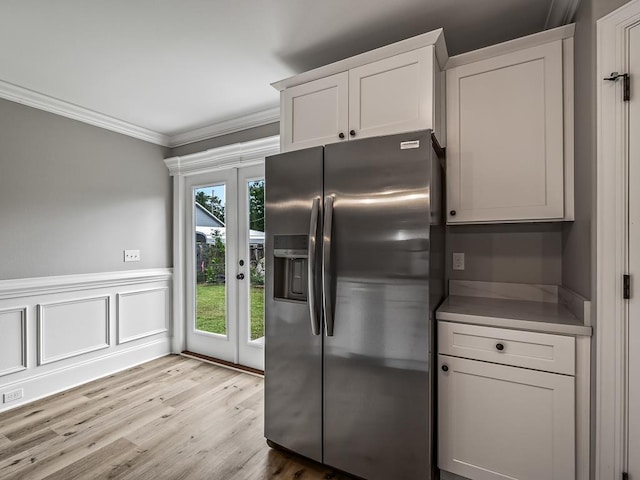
223, 363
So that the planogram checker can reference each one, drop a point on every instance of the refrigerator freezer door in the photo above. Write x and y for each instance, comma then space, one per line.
376, 373
293, 354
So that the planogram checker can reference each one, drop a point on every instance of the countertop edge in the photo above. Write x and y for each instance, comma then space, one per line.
516, 324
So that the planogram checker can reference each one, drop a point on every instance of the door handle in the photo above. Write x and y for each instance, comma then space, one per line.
240, 276
326, 265
311, 266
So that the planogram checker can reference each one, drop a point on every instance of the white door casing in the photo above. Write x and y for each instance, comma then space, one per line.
182, 168
618, 191
633, 341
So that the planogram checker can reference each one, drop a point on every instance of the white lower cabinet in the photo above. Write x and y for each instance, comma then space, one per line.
504, 422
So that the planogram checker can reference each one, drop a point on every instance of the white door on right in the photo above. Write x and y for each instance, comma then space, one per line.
633, 346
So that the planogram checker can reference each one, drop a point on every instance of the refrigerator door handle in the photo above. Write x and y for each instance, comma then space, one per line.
311, 266
326, 266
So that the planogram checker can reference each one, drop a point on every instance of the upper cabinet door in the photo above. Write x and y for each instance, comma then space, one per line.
315, 113
505, 138
392, 95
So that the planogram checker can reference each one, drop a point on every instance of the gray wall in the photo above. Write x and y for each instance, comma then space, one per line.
520, 253
73, 196
577, 236
247, 135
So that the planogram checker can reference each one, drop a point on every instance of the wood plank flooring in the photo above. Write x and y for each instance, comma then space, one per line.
173, 418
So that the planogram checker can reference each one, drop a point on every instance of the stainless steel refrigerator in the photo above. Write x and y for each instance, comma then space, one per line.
355, 270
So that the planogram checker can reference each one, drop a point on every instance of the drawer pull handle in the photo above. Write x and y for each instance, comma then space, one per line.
500, 346
445, 368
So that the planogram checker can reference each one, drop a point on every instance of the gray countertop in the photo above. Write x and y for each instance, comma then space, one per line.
534, 316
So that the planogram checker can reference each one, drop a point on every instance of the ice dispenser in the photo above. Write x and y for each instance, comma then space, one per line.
290, 267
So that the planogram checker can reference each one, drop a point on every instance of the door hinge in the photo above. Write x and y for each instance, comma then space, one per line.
626, 287
626, 83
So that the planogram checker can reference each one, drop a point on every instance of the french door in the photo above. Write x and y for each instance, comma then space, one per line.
225, 265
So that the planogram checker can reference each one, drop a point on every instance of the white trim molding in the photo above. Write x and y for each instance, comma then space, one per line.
256, 119
26, 287
22, 311
65, 332
229, 156
44, 102
139, 315
31, 98
611, 245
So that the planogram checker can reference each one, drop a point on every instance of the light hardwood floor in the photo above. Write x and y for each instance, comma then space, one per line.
172, 418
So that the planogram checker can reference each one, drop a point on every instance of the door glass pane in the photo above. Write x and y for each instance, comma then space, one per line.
211, 259
256, 259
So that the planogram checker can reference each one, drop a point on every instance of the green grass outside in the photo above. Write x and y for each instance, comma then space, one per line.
211, 310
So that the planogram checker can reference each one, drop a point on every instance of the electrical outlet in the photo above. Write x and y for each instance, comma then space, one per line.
12, 396
458, 261
132, 255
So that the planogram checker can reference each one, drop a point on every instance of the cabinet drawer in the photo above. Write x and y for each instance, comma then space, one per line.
538, 351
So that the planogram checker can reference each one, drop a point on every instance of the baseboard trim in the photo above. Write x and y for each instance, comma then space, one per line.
49, 383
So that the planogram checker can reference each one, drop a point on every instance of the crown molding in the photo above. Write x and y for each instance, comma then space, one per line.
236, 155
40, 101
232, 125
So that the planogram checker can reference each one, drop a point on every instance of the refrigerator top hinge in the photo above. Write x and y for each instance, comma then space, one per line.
626, 84
626, 287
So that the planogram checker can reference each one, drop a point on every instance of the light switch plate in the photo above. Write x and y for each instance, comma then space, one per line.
132, 255
458, 261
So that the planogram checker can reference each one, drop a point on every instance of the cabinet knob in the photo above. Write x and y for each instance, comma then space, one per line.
500, 346
452, 213
341, 135
445, 368
352, 133
240, 276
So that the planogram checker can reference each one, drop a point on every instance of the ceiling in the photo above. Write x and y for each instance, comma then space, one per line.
168, 67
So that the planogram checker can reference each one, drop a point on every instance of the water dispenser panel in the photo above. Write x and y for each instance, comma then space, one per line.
290, 267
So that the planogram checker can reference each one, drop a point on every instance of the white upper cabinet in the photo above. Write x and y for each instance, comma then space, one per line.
392, 95
390, 90
510, 132
317, 112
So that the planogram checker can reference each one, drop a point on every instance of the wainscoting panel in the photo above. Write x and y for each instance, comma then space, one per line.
71, 328
60, 332
142, 313
13, 340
